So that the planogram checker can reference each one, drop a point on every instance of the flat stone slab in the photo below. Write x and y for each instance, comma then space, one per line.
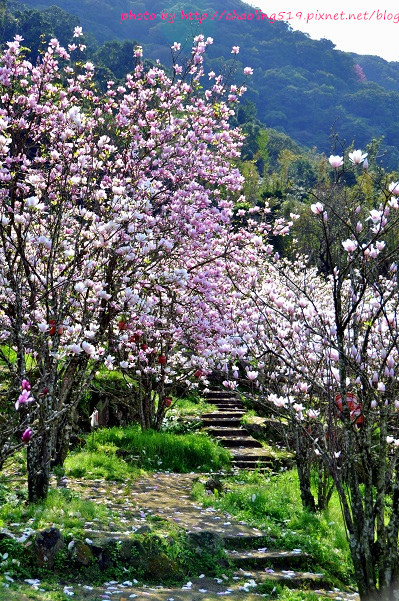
264, 556
224, 414
242, 441
291, 578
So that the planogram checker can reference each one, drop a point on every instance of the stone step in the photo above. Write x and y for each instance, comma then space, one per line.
252, 454
273, 558
229, 407
232, 421
223, 414
224, 399
245, 541
227, 402
290, 578
220, 393
238, 441
196, 589
263, 465
225, 431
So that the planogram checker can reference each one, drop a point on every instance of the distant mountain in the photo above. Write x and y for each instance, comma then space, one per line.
300, 86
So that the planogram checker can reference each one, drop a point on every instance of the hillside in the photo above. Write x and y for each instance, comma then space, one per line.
300, 87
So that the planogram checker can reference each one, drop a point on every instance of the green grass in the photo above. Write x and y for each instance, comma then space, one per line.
48, 591
186, 406
62, 509
273, 504
155, 450
95, 464
287, 594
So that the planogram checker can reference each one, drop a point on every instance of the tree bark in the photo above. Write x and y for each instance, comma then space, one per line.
303, 467
38, 465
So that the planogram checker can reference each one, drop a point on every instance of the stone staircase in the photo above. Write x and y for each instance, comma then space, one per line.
287, 568
226, 427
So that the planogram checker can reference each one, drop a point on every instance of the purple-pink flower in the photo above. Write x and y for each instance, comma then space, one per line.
25, 385
394, 188
336, 161
23, 398
349, 245
26, 436
317, 208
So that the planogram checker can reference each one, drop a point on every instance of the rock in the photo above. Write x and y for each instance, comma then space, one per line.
214, 484
47, 544
161, 565
82, 553
123, 453
132, 551
143, 530
211, 542
6, 535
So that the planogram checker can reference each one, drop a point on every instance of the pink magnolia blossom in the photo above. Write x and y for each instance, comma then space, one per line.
25, 385
350, 245
252, 375
24, 398
375, 216
336, 161
394, 188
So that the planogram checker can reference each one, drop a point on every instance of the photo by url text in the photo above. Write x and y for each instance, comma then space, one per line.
258, 15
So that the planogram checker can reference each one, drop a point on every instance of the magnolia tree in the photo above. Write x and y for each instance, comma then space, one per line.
324, 350
114, 209
180, 339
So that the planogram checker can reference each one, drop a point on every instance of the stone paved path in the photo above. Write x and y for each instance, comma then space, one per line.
168, 496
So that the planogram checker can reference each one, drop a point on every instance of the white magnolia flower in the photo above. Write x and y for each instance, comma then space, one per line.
356, 157
375, 216
75, 348
252, 375
88, 348
80, 287
317, 208
394, 188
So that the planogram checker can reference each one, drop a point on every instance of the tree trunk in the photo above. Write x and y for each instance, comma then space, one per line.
38, 465
308, 501
303, 468
63, 436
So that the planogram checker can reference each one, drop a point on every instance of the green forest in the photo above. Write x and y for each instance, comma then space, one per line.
301, 87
